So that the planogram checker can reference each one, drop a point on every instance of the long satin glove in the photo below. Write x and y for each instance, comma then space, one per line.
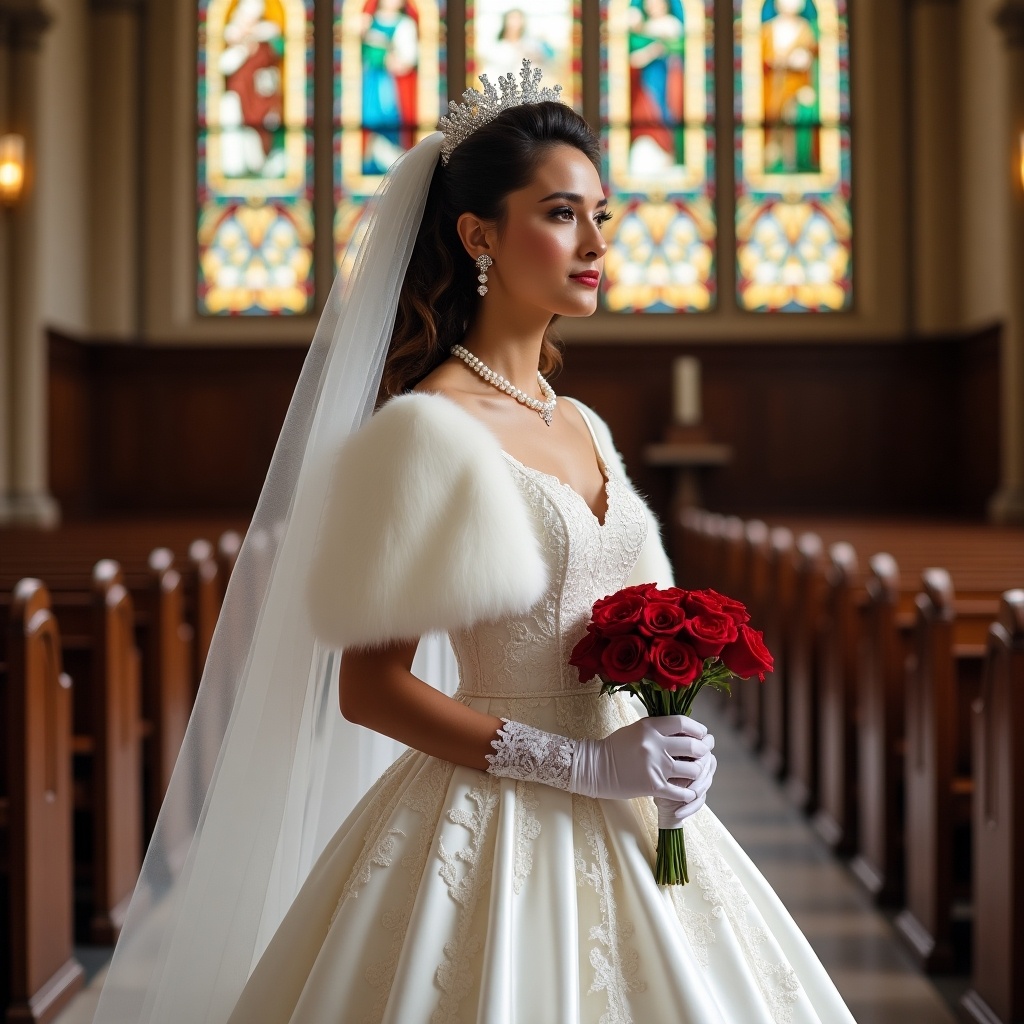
641, 759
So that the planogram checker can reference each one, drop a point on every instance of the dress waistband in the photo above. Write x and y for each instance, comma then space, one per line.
589, 691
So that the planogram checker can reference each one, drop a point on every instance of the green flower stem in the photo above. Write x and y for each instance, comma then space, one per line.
670, 866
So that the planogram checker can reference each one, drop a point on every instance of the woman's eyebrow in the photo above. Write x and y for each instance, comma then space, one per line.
573, 197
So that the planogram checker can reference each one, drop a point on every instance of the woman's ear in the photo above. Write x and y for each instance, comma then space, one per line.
478, 236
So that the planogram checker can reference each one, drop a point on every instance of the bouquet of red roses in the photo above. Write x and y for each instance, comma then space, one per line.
664, 645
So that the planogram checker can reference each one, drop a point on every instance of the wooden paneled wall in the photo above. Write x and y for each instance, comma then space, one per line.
907, 426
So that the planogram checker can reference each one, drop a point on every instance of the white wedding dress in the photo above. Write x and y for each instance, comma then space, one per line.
451, 895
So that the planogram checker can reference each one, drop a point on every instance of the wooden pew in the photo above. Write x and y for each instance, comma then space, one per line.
943, 678
691, 546
878, 863
837, 722
99, 650
228, 545
733, 566
755, 593
713, 563
204, 592
777, 618
168, 689
996, 993
801, 673
40, 973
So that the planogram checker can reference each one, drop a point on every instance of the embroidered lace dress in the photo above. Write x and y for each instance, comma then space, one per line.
451, 896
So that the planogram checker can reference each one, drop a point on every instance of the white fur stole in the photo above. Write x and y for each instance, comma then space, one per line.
423, 529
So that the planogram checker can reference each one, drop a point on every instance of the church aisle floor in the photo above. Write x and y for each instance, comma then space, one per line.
856, 943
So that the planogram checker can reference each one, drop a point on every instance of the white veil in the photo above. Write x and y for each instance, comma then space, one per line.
247, 812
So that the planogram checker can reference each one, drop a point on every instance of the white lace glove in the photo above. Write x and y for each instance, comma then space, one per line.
641, 759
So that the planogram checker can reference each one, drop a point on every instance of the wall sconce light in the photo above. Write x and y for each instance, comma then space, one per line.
1022, 159
12, 167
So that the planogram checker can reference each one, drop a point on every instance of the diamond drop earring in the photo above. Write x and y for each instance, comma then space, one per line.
483, 261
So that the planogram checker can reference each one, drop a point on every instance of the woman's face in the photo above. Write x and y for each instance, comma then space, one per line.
549, 237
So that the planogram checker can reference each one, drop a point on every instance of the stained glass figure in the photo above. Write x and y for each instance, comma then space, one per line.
500, 34
255, 168
657, 128
793, 224
389, 88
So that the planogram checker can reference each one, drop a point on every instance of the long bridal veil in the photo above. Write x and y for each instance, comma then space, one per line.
269, 769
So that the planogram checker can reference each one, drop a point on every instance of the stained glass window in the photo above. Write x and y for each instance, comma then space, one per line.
255, 148
550, 32
793, 226
657, 128
390, 70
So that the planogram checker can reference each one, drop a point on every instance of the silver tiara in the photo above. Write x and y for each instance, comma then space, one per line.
477, 109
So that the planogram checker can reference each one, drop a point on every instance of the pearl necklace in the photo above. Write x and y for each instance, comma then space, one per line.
544, 409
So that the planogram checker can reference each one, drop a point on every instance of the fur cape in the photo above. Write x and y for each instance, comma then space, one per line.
424, 528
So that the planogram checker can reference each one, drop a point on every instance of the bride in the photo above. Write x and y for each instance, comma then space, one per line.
499, 870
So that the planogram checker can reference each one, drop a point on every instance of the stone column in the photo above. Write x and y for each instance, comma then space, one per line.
1007, 506
934, 97
115, 56
24, 497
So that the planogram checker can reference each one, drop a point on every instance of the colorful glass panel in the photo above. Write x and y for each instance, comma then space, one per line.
658, 139
500, 34
390, 71
255, 157
794, 237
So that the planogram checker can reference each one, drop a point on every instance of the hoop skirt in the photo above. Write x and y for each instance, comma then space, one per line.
450, 896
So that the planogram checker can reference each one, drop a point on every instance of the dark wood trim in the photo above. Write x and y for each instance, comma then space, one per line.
906, 426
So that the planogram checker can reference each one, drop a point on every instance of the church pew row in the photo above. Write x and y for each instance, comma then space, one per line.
943, 679
848, 699
843, 678
977, 557
100, 654
996, 992
164, 640
163, 671
39, 973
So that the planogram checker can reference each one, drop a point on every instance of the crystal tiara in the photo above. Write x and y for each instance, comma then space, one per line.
477, 109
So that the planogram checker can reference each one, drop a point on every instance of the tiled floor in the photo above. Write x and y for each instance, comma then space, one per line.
856, 943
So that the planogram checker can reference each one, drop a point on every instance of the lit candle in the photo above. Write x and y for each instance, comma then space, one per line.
686, 391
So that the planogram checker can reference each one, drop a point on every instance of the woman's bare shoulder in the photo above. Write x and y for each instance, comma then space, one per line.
449, 381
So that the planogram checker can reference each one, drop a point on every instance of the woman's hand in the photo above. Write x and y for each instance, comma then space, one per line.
672, 813
652, 757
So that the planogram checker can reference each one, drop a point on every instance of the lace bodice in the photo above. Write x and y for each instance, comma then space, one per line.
528, 655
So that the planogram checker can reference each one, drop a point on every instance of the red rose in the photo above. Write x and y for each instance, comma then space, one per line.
709, 600
673, 594
661, 618
619, 613
674, 664
625, 659
710, 632
647, 590
747, 654
586, 655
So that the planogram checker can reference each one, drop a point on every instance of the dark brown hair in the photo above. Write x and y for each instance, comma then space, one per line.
438, 298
